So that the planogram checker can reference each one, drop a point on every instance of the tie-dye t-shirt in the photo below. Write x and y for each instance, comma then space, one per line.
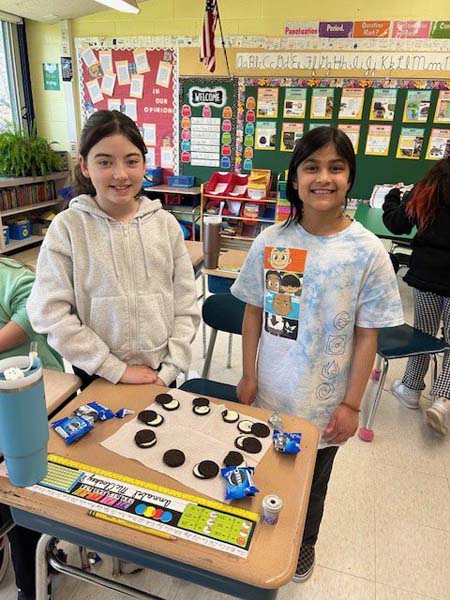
314, 290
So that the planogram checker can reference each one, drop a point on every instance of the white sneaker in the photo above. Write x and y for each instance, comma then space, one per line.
408, 397
438, 416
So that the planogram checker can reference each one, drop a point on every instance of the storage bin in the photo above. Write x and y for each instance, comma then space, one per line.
6, 234
21, 230
152, 177
220, 184
181, 181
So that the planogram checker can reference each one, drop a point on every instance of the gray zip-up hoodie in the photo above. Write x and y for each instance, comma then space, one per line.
111, 294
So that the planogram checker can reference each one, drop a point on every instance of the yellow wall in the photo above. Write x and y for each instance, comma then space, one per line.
184, 17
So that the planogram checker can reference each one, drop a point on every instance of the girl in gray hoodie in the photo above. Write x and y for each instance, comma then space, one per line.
115, 289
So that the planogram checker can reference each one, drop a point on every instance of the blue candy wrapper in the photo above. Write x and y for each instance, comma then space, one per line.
287, 443
72, 428
239, 482
123, 412
96, 411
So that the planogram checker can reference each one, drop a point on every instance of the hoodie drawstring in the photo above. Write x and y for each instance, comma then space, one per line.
113, 251
144, 253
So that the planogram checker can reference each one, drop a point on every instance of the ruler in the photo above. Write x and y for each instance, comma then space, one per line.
150, 507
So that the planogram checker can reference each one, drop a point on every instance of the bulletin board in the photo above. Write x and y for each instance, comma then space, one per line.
140, 82
266, 130
207, 126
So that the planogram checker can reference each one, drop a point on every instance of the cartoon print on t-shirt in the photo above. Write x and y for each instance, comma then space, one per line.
284, 269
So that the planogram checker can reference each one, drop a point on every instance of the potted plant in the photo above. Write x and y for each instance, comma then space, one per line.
24, 153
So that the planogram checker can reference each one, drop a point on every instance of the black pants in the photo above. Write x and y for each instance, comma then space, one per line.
23, 553
87, 379
322, 472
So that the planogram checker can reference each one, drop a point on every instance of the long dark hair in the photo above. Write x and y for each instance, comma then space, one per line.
311, 142
101, 124
431, 193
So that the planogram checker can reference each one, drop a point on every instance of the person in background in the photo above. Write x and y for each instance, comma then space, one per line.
16, 334
316, 361
427, 207
115, 289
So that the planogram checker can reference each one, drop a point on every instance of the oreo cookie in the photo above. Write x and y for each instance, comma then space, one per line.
252, 445
260, 430
233, 459
201, 410
238, 442
150, 417
207, 469
200, 401
145, 438
172, 405
245, 426
174, 458
163, 399
230, 416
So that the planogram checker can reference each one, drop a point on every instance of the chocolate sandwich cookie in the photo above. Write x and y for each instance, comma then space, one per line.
230, 416
207, 469
200, 401
201, 410
245, 426
238, 442
252, 445
145, 438
150, 417
261, 430
174, 458
233, 459
172, 405
163, 398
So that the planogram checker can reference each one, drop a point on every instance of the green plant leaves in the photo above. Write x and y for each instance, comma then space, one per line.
24, 153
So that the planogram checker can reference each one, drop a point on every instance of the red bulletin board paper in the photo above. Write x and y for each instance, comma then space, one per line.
157, 104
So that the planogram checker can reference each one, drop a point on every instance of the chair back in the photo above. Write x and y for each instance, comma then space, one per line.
224, 312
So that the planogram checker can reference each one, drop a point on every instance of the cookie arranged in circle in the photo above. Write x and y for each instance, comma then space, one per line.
201, 410
261, 430
230, 416
172, 405
233, 459
145, 438
245, 426
252, 445
206, 469
200, 401
163, 398
174, 458
238, 442
150, 417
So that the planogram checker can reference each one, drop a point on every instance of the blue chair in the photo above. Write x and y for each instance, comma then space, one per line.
222, 312
402, 341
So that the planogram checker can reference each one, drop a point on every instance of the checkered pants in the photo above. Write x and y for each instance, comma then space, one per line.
429, 310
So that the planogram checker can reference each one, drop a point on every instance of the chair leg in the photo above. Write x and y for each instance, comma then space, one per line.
206, 366
230, 348
203, 322
366, 433
376, 372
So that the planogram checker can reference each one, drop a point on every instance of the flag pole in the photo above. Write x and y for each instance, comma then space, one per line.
222, 38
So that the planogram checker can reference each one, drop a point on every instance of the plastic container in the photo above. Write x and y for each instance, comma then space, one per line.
181, 181
211, 241
21, 230
220, 183
272, 506
23, 422
6, 234
153, 177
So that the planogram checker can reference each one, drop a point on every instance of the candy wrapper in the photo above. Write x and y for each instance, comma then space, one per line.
239, 482
96, 411
72, 428
123, 412
287, 443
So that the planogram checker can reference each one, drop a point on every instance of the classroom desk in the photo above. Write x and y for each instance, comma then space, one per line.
372, 219
195, 250
230, 262
58, 388
177, 192
273, 554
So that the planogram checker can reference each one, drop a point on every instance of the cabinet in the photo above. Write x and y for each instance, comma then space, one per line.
21, 195
250, 218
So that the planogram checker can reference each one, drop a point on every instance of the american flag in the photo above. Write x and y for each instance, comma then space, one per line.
208, 48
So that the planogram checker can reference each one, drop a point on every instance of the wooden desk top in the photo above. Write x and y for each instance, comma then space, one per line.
273, 554
168, 189
228, 259
195, 250
58, 387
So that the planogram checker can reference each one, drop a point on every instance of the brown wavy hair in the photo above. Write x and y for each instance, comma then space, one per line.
101, 124
430, 194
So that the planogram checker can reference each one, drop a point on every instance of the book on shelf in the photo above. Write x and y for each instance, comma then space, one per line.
24, 195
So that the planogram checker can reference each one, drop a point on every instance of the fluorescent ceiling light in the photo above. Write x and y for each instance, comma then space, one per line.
129, 6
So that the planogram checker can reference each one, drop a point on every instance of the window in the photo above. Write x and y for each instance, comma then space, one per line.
10, 96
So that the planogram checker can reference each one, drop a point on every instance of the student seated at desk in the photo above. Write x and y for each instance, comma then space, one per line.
15, 336
427, 206
115, 289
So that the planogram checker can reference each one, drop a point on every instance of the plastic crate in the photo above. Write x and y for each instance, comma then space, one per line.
181, 181
153, 177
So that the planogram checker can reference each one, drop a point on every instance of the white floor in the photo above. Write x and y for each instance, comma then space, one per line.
386, 529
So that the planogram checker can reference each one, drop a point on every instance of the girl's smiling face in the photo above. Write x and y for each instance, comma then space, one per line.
323, 180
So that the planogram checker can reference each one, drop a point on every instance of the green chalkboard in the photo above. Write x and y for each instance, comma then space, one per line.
212, 139
371, 170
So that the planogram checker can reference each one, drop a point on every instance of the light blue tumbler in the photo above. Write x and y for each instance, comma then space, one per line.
23, 422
